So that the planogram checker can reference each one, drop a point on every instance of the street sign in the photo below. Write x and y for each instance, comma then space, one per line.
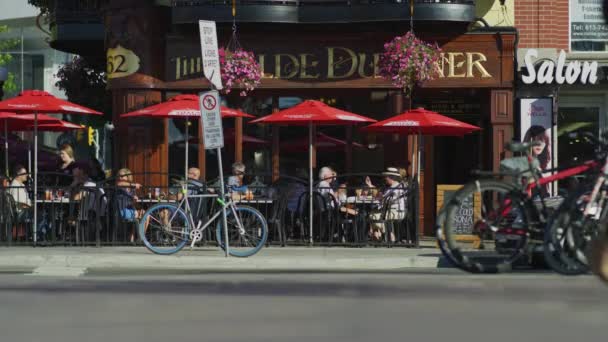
211, 58
213, 134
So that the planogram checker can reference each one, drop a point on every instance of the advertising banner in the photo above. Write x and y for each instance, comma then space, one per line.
587, 21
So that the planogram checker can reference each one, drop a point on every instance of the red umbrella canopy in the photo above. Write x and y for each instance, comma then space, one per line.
16, 122
229, 134
182, 106
60, 126
422, 121
323, 143
38, 101
316, 112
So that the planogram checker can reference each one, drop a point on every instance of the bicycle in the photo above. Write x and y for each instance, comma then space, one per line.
511, 217
570, 233
165, 228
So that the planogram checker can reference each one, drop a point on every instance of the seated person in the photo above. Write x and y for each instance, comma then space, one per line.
22, 199
235, 182
198, 205
81, 174
17, 188
396, 195
126, 196
326, 177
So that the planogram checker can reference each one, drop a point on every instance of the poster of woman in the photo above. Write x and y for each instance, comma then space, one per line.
536, 124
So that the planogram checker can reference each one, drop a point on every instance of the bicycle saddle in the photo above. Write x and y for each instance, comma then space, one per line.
516, 147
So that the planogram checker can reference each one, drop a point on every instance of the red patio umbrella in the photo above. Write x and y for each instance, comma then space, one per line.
229, 134
310, 113
420, 121
37, 102
181, 106
322, 142
15, 122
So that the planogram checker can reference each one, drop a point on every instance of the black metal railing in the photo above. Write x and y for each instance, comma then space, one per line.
109, 213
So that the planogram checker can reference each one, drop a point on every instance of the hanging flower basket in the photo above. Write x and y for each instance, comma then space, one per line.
239, 70
408, 61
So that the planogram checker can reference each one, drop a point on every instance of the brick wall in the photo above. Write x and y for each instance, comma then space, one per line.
542, 23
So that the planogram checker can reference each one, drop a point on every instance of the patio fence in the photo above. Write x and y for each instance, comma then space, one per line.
106, 214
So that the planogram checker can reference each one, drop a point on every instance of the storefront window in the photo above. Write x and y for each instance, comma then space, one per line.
588, 29
573, 150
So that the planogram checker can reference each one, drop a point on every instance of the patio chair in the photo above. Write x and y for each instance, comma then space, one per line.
277, 217
324, 216
85, 214
123, 223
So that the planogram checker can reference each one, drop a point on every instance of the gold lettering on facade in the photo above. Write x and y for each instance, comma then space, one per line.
474, 60
341, 63
454, 65
304, 66
333, 63
286, 70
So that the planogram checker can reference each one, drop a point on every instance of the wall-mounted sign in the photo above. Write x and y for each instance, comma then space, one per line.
587, 21
336, 63
536, 124
121, 62
547, 71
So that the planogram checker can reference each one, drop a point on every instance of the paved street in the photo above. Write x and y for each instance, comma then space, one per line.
418, 305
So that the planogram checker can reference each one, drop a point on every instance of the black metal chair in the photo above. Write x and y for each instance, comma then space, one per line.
324, 216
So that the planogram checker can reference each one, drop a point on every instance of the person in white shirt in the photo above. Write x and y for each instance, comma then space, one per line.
396, 195
326, 176
17, 188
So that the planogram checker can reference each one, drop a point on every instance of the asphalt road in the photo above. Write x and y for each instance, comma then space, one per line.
304, 307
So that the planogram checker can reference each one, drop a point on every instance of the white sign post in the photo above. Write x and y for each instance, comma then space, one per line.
211, 57
211, 119
213, 136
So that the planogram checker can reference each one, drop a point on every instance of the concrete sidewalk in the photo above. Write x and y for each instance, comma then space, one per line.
78, 261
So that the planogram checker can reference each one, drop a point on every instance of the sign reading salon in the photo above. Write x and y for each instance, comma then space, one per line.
546, 71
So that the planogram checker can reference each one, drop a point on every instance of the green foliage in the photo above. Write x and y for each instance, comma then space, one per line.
84, 83
5, 45
44, 5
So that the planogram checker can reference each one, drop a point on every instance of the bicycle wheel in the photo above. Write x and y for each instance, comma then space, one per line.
164, 229
486, 226
565, 243
248, 240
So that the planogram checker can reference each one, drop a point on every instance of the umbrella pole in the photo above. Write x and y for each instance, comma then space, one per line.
35, 201
310, 180
6, 148
186, 160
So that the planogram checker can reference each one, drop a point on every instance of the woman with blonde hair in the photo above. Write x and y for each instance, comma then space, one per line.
65, 165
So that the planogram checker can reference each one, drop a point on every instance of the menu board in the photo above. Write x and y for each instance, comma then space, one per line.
464, 218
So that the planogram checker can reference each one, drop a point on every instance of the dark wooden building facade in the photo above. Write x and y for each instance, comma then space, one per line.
317, 49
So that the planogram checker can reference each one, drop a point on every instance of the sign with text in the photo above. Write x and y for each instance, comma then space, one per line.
547, 71
121, 62
213, 134
210, 54
465, 216
351, 60
587, 21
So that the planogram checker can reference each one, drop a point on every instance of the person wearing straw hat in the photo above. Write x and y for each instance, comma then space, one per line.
396, 195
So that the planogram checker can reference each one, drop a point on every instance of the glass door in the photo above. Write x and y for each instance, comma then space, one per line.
577, 114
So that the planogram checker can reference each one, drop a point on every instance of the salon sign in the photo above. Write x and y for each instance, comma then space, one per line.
546, 71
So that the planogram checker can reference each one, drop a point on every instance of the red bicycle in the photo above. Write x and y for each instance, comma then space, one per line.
508, 218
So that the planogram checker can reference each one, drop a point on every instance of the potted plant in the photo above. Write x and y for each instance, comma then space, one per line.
408, 61
239, 70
